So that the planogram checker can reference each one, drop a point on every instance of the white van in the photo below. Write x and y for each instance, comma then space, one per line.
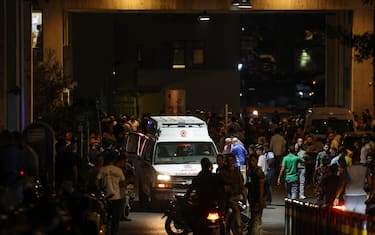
169, 155
318, 119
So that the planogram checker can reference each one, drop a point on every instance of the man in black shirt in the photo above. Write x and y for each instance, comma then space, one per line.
208, 189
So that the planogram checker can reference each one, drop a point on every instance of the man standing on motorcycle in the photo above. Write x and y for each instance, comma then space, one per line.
234, 191
208, 189
256, 194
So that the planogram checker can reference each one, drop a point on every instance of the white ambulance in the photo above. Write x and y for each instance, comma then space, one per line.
168, 156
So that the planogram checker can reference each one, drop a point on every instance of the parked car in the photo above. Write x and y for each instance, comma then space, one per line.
319, 119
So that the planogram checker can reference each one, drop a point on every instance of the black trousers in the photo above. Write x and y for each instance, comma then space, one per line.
114, 210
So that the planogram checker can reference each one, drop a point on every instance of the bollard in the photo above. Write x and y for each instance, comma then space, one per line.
324, 220
288, 217
309, 218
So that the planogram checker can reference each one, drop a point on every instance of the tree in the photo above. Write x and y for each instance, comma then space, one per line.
48, 85
364, 44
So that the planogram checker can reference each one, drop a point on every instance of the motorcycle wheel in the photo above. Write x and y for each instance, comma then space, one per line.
173, 228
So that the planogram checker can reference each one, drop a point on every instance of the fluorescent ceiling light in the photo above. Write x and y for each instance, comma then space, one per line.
178, 66
204, 17
242, 4
235, 2
245, 6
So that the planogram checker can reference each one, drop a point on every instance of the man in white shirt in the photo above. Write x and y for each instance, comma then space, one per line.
262, 161
110, 178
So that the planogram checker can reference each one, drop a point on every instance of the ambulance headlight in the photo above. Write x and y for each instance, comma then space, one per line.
163, 177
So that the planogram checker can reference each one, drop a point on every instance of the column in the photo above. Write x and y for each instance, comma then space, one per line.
363, 73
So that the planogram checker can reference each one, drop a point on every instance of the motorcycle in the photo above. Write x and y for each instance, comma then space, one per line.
94, 217
181, 217
40, 212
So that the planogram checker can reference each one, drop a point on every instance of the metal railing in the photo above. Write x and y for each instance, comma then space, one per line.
305, 218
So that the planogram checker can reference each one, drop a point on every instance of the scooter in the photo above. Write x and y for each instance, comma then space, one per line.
40, 212
180, 218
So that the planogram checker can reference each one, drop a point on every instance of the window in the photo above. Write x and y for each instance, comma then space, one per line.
198, 53
37, 35
180, 152
198, 56
36, 29
178, 55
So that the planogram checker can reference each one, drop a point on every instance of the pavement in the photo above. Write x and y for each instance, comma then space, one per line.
274, 214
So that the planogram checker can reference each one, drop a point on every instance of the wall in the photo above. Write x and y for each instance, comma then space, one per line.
205, 90
362, 21
3, 105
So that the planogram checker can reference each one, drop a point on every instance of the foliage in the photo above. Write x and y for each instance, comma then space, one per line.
364, 46
71, 117
48, 85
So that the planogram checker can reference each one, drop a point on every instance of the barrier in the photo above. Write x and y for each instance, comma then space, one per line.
309, 219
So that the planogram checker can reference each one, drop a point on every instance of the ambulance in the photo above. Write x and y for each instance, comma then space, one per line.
168, 156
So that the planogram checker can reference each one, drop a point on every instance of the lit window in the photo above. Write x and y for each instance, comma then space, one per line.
198, 53
65, 97
36, 29
37, 35
198, 56
178, 55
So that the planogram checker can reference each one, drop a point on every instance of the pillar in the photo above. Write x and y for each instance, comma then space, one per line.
16, 64
362, 73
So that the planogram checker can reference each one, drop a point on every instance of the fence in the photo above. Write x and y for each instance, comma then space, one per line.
305, 218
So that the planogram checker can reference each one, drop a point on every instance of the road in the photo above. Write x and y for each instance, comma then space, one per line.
143, 223
148, 223
152, 223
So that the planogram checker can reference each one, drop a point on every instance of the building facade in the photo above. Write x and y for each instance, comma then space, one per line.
348, 83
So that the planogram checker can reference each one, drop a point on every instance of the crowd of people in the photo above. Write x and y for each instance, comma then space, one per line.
106, 169
286, 154
265, 153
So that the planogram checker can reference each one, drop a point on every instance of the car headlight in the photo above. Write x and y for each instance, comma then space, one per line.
163, 177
